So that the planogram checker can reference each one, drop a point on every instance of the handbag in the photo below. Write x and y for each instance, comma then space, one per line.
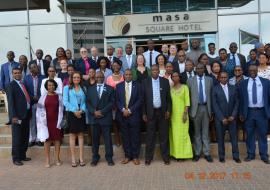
64, 123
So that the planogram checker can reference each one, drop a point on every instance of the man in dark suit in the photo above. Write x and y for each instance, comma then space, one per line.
6, 75
19, 101
157, 106
32, 83
42, 64
129, 101
110, 56
94, 54
179, 65
225, 106
255, 111
236, 58
189, 71
100, 99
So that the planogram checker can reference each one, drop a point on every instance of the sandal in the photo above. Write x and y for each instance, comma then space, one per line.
74, 165
47, 165
58, 163
82, 164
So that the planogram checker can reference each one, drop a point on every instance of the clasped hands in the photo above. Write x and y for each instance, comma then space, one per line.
226, 121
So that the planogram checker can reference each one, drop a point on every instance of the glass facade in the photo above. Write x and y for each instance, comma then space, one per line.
76, 23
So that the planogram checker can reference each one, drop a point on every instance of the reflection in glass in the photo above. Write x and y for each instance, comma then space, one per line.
265, 28
115, 7
201, 4
240, 6
145, 6
265, 6
172, 5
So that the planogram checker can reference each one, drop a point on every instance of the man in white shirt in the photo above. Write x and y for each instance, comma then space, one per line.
179, 65
94, 54
150, 55
128, 60
42, 64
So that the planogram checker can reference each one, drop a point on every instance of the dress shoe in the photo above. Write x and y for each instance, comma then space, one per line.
26, 159
110, 163
166, 162
147, 162
208, 158
266, 161
40, 143
237, 160
136, 161
31, 144
94, 163
248, 159
222, 160
196, 158
125, 161
17, 163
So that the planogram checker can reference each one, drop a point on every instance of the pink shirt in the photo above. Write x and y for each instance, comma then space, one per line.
87, 65
113, 83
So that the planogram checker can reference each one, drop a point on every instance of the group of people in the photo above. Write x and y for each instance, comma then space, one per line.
175, 92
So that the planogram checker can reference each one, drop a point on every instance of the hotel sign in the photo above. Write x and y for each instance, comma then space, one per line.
161, 23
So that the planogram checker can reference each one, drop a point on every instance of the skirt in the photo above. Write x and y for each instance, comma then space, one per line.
76, 125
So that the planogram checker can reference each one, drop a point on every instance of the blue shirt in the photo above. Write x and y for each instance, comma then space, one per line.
156, 93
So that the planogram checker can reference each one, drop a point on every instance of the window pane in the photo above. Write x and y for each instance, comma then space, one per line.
265, 28
172, 5
145, 6
13, 39
229, 31
120, 43
243, 6
85, 35
265, 6
115, 7
201, 4
13, 17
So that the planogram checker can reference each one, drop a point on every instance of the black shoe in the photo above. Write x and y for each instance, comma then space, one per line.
166, 161
248, 159
40, 143
196, 158
147, 162
31, 144
110, 163
209, 159
8, 123
237, 160
94, 163
17, 163
222, 160
26, 159
266, 161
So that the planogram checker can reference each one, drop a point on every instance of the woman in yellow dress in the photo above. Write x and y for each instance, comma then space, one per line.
180, 144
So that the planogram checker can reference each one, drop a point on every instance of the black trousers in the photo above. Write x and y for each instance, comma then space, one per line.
20, 138
131, 138
157, 122
96, 133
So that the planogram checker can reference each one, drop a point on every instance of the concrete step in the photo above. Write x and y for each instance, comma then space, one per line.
5, 129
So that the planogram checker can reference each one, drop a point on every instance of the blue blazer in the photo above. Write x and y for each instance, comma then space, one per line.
243, 94
134, 105
221, 107
70, 100
4, 75
28, 82
79, 65
104, 104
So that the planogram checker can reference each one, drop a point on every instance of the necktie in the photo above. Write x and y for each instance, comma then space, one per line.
99, 91
27, 97
150, 59
201, 98
254, 92
129, 64
234, 62
127, 94
189, 75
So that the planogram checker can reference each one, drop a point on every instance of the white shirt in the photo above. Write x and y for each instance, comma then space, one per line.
156, 93
190, 73
225, 90
40, 64
213, 56
101, 86
237, 60
181, 67
59, 89
259, 86
94, 58
147, 57
129, 60
203, 85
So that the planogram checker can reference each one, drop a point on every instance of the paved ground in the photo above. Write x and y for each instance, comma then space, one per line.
177, 176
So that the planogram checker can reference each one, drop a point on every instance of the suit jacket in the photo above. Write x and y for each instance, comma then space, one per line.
104, 104
165, 95
194, 94
176, 66
113, 58
46, 65
28, 82
184, 77
221, 107
125, 62
243, 94
134, 105
242, 59
79, 65
17, 101
94, 61
4, 75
